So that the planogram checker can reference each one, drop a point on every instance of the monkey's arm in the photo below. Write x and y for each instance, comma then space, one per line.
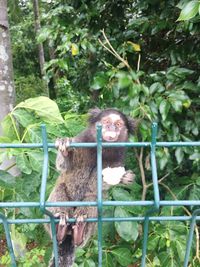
65, 153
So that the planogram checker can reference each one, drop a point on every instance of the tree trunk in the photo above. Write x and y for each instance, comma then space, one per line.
7, 90
52, 82
40, 45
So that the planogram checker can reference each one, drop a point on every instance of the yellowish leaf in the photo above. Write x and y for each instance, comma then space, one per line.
74, 49
187, 103
136, 47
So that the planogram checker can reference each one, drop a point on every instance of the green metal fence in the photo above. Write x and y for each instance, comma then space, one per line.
154, 205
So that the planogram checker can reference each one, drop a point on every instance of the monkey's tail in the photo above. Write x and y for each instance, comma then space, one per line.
66, 253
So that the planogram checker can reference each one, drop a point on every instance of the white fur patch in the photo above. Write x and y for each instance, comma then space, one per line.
113, 176
114, 117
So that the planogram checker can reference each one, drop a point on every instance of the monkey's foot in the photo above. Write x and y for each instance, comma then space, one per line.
78, 230
63, 145
128, 177
62, 226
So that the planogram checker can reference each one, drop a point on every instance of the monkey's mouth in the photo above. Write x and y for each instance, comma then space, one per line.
110, 136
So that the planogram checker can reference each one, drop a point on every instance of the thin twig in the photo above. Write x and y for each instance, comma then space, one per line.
138, 63
112, 50
106, 47
142, 172
164, 177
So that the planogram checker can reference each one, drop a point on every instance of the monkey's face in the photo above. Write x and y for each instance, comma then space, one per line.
113, 128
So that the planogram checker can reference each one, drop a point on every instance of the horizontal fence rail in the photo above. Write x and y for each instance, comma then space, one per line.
153, 205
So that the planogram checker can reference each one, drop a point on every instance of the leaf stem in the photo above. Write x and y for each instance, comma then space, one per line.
14, 126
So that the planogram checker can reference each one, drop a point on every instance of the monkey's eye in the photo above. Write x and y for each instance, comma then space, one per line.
106, 122
119, 124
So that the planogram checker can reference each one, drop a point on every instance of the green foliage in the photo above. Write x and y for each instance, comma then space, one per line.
23, 125
27, 87
33, 258
189, 10
147, 64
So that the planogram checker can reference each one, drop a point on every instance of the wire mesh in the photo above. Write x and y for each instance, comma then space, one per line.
153, 205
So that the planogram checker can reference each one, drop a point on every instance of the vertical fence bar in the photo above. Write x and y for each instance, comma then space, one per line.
156, 193
43, 191
99, 192
190, 237
154, 167
8, 239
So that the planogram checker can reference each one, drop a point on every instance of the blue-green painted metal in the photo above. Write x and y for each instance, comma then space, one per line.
163, 203
106, 219
43, 191
119, 144
153, 204
156, 193
99, 192
8, 238
190, 236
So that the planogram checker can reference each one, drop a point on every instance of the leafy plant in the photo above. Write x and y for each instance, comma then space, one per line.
147, 64
23, 125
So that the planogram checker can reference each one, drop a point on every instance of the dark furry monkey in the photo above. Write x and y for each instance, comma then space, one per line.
78, 178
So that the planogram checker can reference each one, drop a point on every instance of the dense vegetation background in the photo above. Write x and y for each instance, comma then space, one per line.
139, 56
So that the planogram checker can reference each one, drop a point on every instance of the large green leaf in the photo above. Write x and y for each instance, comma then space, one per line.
179, 154
36, 160
6, 177
23, 163
123, 256
99, 81
156, 87
124, 79
189, 11
87, 263
24, 117
127, 230
164, 109
43, 107
8, 129
121, 194
168, 259
180, 244
107, 260
44, 34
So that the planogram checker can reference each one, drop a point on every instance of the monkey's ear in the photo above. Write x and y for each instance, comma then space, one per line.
93, 115
131, 125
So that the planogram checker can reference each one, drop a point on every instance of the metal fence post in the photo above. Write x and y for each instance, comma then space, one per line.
43, 191
99, 192
156, 193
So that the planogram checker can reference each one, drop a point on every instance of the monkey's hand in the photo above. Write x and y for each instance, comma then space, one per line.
128, 177
64, 155
63, 145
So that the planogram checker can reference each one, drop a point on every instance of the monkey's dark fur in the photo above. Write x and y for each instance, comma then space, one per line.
78, 178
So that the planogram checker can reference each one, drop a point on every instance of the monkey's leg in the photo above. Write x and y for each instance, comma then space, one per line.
62, 227
82, 231
60, 194
78, 230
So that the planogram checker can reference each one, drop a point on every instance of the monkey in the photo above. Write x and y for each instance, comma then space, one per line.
78, 178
